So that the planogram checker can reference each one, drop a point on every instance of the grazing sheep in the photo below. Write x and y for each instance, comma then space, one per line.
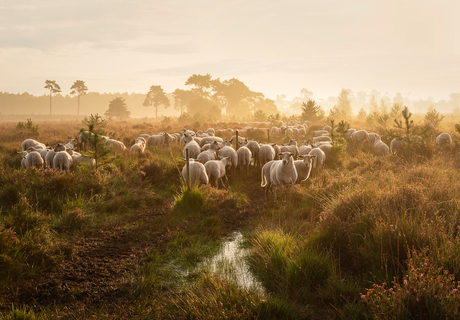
26, 144
155, 140
216, 170
139, 145
244, 158
291, 147
62, 160
275, 130
318, 133
372, 136
197, 173
320, 158
348, 134
444, 139
396, 145
266, 153
322, 139
211, 131
327, 128
207, 140
326, 147
282, 172
30, 159
117, 146
303, 167
360, 136
380, 147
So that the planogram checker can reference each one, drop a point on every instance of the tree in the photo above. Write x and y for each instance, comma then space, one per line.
344, 104
182, 98
53, 87
201, 84
306, 94
433, 117
97, 141
311, 111
78, 88
118, 108
156, 97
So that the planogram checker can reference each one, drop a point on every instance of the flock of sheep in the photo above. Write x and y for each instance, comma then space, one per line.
211, 157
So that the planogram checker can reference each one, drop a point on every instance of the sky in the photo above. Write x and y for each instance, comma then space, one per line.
274, 47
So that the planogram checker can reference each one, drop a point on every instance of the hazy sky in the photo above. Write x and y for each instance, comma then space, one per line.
274, 47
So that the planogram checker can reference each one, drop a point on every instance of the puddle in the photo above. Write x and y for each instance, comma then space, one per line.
230, 262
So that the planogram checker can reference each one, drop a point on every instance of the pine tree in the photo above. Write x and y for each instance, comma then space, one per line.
118, 108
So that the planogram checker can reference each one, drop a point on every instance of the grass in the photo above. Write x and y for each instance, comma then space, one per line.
359, 228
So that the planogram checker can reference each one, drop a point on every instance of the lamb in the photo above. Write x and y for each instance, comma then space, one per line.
281, 172
30, 159
320, 158
380, 147
244, 158
139, 145
118, 146
266, 153
444, 139
63, 160
192, 146
216, 170
303, 167
198, 173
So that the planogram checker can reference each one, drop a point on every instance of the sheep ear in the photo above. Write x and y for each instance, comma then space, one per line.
184, 159
280, 154
292, 154
313, 157
228, 158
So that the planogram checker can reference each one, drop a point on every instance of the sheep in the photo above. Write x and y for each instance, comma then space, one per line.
372, 136
320, 158
302, 132
327, 128
348, 134
254, 147
192, 146
216, 170
396, 145
444, 139
322, 139
117, 146
209, 154
244, 158
155, 140
326, 148
167, 138
304, 149
275, 130
228, 151
360, 136
49, 158
63, 160
30, 159
78, 158
318, 133
139, 145
71, 144
380, 147
303, 167
207, 140
197, 173
281, 172
291, 147
211, 131
26, 144
266, 153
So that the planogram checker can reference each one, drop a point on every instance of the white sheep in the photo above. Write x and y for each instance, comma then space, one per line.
62, 160
26, 144
139, 145
155, 140
192, 146
396, 145
444, 139
380, 147
320, 158
281, 172
197, 171
209, 154
216, 170
117, 146
327, 128
360, 136
303, 167
244, 158
305, 148
254, 147
30, 159
266, 153
228, 151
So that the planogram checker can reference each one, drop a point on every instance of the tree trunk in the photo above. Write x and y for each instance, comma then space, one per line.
156, 112
78, 110
50, 102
